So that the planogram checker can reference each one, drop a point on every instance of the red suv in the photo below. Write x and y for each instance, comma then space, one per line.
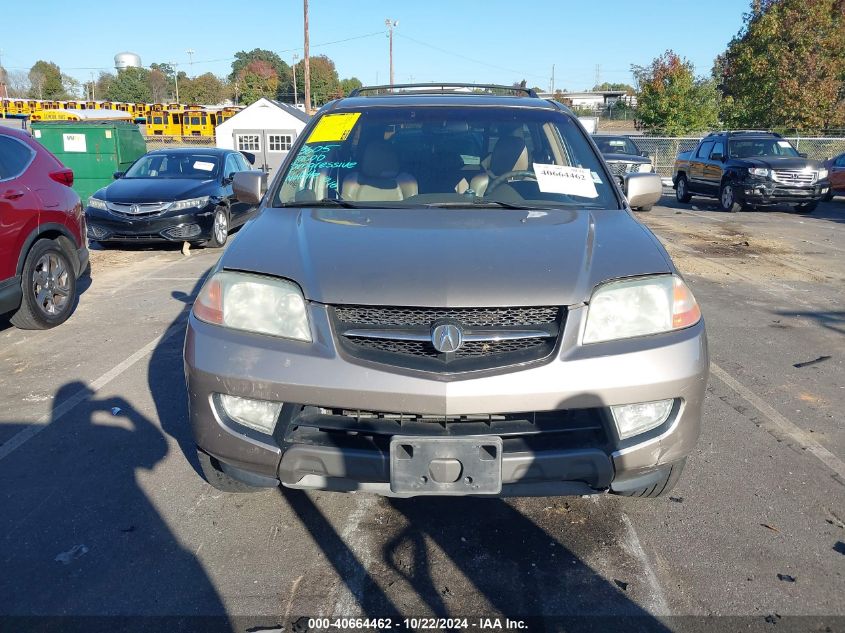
43, 248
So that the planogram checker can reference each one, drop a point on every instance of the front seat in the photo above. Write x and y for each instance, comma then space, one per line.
378, 178
510, 154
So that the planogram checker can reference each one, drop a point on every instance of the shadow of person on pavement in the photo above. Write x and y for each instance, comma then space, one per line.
84, 545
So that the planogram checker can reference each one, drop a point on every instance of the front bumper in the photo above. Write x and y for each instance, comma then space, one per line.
577, 381
767, 192
196, 224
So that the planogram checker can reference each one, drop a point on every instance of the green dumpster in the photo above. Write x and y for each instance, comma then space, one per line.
94, 150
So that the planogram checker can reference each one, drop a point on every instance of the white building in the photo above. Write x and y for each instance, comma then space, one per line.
265, 130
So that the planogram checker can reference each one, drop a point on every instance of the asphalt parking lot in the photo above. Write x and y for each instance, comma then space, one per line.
103, 513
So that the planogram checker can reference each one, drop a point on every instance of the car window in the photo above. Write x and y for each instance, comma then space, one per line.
616, 145
15, 157
405, 156
704, 150
768, 146
231, 165
718, 150
242, 162
175, 165
840, 162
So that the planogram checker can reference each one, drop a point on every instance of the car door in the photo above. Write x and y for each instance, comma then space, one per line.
837, 173
713, 168
19, 206
696, 167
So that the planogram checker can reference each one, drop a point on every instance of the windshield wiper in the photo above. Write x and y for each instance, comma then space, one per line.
478, 203
325, 202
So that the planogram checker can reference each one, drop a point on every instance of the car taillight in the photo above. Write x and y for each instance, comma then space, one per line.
63, 176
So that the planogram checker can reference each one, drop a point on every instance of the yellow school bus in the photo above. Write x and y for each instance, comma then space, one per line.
164, 123
81, 115
198, 122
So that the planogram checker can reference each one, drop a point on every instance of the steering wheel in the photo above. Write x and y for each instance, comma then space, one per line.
520, 174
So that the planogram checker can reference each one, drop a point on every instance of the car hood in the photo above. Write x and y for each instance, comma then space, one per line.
155, 189
446, 257
782, 162
628, 158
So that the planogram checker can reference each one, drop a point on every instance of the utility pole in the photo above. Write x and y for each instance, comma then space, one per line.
92, 86
176, 79
190, 53
552, 90
293, 68
307, 63
391, 24
598, 75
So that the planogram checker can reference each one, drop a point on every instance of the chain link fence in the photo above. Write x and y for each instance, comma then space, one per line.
662, 149
164, 142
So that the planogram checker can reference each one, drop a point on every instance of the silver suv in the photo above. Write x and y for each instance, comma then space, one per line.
445, 293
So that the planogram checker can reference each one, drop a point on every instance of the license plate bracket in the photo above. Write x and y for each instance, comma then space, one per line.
445, 466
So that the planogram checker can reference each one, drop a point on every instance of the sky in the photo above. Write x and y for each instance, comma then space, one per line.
496, 41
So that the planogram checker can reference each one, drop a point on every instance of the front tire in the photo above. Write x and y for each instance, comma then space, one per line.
216, 478
219, 228
662, 487
48, 282
727, 198
682, 190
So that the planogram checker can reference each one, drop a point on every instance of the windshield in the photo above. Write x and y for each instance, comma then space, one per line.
616, 145
752, 147
175, 165
446, 156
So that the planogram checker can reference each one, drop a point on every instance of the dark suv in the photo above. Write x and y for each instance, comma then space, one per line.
750, 168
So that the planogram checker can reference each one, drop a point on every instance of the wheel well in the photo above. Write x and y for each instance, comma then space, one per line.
64, 242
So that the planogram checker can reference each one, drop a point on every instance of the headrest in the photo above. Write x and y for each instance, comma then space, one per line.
510, 154
379, 160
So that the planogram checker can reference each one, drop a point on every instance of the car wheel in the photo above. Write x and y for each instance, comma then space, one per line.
807, 207
682, 190
727, 198
662, 487
828, 196
216, 478
48, 283
219, 228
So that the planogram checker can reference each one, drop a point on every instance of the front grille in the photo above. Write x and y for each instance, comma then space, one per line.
137, 210
620, 168
378, 316
492, 337
794, 177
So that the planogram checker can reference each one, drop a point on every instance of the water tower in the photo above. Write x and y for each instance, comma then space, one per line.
126, 60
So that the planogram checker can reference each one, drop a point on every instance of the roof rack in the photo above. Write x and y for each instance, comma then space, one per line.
441, 88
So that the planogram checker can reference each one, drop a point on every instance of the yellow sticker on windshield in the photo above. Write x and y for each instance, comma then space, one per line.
334, 127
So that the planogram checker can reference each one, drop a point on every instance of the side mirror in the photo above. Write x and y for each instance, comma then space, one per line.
644, 154
643, 190
248, 186
718, 157
118, 174
803, 154
227, 180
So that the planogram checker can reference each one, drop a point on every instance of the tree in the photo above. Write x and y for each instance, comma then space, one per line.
257, 79
205, 89
45, 80
17, 84
283, 72
786, 67
103, 85
671, 100
72, 86
325, 84
130, 85
614, 86
159, 84
348, 85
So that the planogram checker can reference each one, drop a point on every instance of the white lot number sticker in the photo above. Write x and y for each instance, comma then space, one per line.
203, 166
573, 181
784, 144
74, 143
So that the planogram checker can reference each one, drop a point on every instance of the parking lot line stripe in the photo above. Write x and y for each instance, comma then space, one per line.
20, 438
658, 605
783, 425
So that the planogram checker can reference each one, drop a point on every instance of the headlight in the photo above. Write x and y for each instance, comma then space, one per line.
763, 172
254, 303
822, 173
96, 203
644, 168
638, 307
190, 203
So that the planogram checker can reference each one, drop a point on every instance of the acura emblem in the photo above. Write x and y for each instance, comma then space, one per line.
447, 338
